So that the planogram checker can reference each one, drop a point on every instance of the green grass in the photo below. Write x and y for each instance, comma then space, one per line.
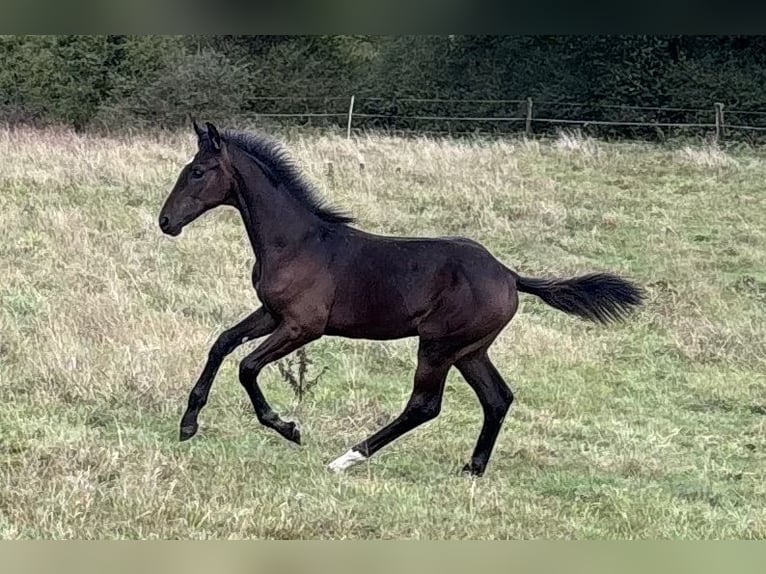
650, 429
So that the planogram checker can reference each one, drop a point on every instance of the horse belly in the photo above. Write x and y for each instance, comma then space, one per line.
372, 317
375, 332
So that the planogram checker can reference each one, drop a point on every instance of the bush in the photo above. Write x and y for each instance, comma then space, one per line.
204, 84
119, 82
48, 79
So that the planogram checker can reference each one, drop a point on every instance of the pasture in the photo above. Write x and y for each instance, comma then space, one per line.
655, 428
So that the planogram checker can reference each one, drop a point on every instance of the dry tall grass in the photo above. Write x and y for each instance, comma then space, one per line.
650, 429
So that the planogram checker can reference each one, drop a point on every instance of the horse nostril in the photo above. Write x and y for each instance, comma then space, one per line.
164, 222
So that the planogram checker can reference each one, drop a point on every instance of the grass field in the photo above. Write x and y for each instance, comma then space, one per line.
651, 429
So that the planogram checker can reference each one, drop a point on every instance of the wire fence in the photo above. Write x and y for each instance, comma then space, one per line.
477, 115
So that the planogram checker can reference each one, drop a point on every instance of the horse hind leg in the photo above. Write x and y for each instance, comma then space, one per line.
495, 398
423, 405
434, 362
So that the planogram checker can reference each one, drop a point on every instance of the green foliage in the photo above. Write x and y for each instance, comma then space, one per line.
141, 81
205, 84
62, 78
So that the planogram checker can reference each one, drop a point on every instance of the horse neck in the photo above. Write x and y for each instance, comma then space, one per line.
278, 224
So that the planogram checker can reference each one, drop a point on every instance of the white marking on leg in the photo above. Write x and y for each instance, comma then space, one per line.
245, 339
349, 459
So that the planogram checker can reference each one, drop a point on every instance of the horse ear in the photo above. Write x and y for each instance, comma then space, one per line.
215, 137
200, 132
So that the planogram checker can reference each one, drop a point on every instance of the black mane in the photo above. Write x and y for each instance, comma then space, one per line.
284, 168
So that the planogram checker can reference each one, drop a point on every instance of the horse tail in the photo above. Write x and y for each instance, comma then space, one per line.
597, 297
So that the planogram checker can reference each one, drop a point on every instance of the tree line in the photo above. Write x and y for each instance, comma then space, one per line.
120, 81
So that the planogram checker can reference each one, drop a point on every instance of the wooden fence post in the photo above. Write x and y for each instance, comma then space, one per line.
350, 115
723, 122
718, 121
529, 117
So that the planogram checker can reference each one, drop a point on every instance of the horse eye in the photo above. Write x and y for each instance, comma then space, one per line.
197, 173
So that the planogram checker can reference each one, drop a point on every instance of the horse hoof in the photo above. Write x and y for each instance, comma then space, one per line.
292, 433
187, 432
471, 471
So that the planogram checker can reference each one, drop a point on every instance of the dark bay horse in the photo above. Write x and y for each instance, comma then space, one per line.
317, 275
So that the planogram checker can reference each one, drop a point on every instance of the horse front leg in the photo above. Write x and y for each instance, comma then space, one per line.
285, 339
257, 324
